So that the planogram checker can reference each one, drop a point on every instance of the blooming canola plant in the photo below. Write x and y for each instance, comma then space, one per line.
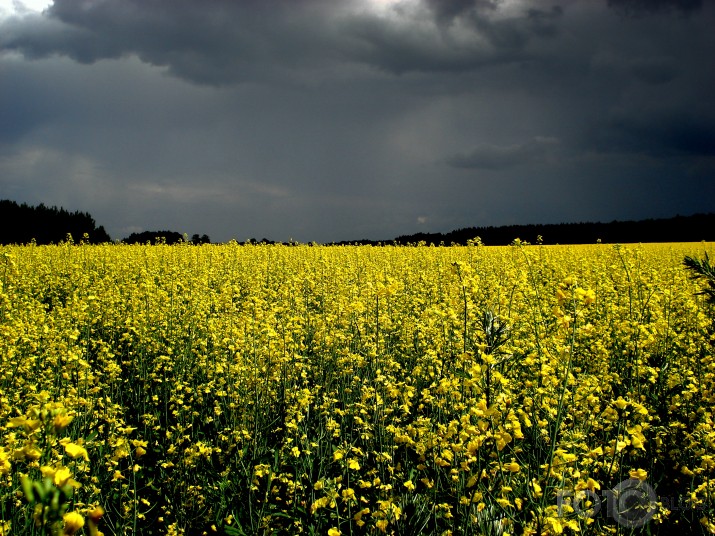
264, 389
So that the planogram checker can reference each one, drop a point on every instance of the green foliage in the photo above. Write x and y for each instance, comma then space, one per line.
702, 270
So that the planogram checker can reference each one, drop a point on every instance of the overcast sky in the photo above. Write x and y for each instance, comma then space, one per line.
323, 120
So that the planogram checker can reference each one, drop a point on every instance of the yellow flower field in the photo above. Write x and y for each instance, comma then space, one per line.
470, 390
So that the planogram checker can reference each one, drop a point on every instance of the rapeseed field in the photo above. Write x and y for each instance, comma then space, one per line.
229, 389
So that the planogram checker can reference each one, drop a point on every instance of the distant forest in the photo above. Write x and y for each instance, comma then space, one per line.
678, 229
20, 224
164, 237
154, 237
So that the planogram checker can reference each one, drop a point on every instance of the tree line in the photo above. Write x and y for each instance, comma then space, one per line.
164, 237
694, 228
21, 224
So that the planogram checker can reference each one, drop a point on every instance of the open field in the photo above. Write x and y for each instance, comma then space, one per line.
355, 390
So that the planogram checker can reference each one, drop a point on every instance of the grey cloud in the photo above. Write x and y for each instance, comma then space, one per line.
29, 109
404, 49
473, 38
446, 11
324, 120
494, 157
655, 70
639, 7
658, 134
544, 22
232, 42
221, 44
37, 36
652, 69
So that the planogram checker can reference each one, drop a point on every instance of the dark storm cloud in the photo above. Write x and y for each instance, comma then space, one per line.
655, 70
636, 7
659, 135
220, 44
330, 120
446, 11
453, 36
29, 109
504, 157
231, 42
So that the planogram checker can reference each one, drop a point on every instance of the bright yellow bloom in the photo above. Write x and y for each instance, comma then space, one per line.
61, 421
640, 474
96, 514
503, 440
76, 451
589, 297
23, 422
620, 403
344, 353
72, 522
537, 488
358, 517
592, 484
512, 467
4, 462
60, 476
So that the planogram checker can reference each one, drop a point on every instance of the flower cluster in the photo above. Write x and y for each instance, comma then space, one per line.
351, 390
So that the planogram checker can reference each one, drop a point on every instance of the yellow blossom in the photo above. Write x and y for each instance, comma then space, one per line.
76, 451
640, 474
60, 476
72, 522
4, 462
61, 421
512, 467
